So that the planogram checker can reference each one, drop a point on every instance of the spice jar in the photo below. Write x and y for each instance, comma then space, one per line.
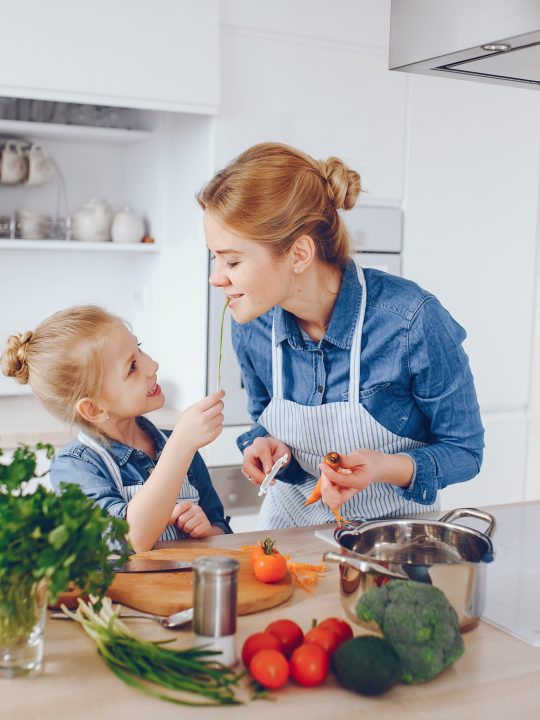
215, 590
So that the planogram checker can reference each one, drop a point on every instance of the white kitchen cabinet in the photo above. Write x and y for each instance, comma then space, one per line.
502, 476
157, 171
131, 53
313, 85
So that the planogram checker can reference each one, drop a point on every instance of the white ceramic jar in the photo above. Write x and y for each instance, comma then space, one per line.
92, 221
127, 227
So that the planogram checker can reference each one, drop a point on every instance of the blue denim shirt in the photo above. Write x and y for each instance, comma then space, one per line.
415, 376
77, 463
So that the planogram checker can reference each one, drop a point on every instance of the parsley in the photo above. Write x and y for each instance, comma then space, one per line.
62, 539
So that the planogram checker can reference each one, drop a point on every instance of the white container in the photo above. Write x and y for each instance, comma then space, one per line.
92, 221
127, 227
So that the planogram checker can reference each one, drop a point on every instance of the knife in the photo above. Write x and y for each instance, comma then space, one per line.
141, 565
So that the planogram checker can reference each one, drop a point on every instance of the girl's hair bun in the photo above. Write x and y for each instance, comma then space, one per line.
343, 185
14, 362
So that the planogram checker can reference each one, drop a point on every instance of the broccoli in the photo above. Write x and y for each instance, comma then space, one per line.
419, 622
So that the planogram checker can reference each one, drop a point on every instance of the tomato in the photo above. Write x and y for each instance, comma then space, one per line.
269, 668
269, 568
326, 638
288, 633
309, 665
340, 626
259, 641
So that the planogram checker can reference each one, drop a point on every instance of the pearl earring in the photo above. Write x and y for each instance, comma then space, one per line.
295, 270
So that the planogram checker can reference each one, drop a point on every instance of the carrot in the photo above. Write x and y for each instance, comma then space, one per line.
331, 459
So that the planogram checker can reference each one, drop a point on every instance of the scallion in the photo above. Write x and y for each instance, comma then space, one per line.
149, 666
221, 343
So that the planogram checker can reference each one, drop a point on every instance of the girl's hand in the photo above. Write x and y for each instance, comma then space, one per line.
202, 422
261, 455
191, 519
361, 468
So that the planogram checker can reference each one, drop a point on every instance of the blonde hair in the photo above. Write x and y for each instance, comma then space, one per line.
62, 359
273, 194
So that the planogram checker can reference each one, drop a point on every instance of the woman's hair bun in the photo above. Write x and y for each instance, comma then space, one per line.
14, 359
343, 185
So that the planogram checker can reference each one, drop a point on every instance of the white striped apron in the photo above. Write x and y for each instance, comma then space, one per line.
311, 431
187, 491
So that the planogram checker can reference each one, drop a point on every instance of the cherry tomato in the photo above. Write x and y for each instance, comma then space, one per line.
326, 638
269, 668
269, 568
340, 626
288, 633
259, 641
309, 665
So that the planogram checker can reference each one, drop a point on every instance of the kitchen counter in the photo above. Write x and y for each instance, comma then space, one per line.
497, 677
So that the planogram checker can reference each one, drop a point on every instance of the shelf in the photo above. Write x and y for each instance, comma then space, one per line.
75, 245
72, 132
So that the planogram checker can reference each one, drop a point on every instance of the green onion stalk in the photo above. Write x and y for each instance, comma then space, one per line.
149, 666
221, 342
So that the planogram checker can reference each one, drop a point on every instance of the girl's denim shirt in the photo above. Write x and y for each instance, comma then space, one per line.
77, 463
415, 375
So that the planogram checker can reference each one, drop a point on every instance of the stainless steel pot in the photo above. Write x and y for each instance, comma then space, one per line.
448, 556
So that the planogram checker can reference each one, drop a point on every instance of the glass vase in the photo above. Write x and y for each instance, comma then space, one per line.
22, 619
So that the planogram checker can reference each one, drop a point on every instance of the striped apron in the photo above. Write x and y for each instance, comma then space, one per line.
187, 491
311, 431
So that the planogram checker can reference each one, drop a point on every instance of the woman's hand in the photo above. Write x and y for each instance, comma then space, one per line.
261, 455
202, 422
191, 519
361, 468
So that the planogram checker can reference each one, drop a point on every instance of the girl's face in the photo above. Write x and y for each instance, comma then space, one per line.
249, 275
130, 385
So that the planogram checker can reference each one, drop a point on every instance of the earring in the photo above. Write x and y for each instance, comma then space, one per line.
295, 270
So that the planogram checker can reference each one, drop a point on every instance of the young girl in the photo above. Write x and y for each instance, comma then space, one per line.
88, 369
333, 357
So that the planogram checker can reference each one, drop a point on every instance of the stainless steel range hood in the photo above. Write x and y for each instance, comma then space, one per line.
496, 41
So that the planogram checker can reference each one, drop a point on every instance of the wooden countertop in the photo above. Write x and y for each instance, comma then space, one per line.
498, 676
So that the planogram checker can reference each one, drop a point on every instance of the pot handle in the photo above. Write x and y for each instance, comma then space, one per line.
363, 564
452, 515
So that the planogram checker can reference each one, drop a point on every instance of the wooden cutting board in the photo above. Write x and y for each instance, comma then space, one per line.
164, 593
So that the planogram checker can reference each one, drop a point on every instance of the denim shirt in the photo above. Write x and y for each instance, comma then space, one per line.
77, 463
415, 378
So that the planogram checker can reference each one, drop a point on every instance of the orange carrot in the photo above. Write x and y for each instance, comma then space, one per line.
331, 459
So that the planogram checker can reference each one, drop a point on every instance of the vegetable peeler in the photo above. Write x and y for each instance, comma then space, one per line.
276, 467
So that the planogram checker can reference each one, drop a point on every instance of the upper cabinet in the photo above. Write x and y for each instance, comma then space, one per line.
161, 55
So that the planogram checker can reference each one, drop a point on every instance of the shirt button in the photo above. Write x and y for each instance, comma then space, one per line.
320, 388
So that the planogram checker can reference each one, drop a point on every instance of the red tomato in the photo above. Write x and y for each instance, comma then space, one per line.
309, 665
288, 633
340, 626
259, 641
269, 668
328, 639
269, 568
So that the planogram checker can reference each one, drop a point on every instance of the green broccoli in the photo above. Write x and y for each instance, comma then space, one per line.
419, 622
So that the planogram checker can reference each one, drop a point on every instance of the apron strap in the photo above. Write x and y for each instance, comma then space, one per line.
106, 457
354, 368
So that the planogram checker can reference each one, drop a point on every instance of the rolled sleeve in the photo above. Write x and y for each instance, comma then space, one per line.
208, 498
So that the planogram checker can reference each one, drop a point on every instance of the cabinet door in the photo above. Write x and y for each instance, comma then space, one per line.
160, 55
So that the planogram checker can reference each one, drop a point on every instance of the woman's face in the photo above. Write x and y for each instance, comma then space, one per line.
251, 277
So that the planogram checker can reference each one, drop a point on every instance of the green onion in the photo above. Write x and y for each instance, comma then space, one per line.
221, 343
149, 666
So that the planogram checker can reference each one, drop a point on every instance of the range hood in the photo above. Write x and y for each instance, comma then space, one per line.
496, 41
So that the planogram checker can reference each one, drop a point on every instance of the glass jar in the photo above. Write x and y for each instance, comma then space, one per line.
22, 619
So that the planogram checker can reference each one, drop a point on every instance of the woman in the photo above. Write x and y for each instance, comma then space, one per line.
333, 357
